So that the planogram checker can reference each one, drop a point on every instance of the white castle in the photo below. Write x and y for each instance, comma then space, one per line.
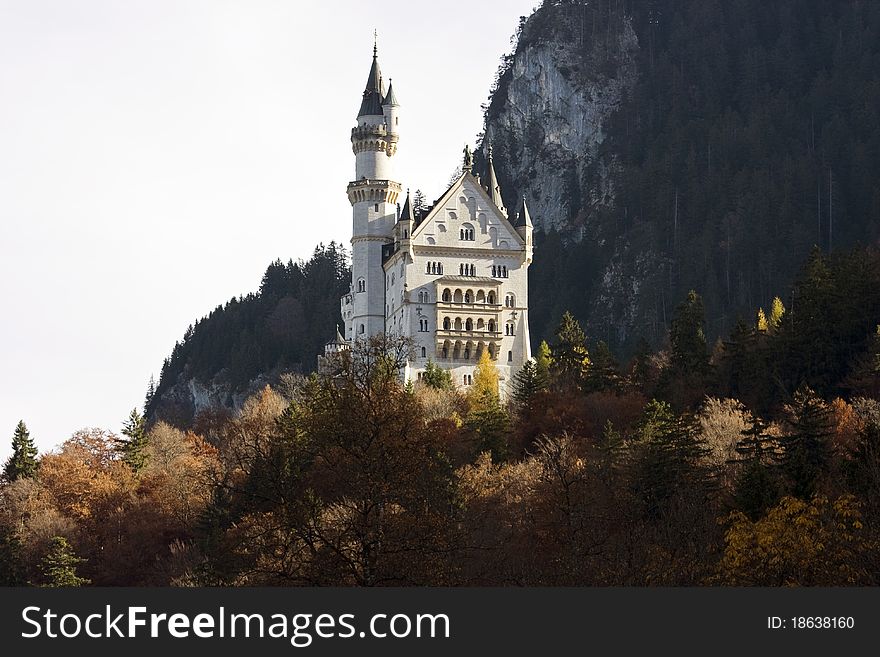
454, 278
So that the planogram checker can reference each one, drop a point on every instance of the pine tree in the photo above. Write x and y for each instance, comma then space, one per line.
133, 448
687, 336
669, 458
757, 486
11, 566
602, 374
436, 377
23, 462
806, 448
570, 356
528, 383
58, 567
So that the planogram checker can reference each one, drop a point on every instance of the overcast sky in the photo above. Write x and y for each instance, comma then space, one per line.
156, 155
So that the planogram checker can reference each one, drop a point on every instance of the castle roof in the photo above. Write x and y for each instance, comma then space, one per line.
371, 104
390, 98
523, 218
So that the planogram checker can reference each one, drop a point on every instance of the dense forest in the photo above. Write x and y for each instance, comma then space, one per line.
751, 461
282, 328
747, 134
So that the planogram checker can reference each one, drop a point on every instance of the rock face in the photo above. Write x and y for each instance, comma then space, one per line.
548, 115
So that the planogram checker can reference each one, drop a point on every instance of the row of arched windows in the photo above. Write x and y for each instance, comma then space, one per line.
468, 296
466, 234
508, 329
465, 269
499, 271
423, 325
466, 351
434, 268
468, 325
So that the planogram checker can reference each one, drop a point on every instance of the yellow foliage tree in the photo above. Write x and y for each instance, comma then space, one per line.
777, 310
762, 323
485, 378
798, 543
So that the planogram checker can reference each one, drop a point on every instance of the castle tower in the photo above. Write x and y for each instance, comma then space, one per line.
373, 195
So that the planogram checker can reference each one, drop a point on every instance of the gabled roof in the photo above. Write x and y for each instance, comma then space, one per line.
449, 193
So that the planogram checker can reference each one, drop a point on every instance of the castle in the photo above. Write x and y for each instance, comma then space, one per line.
453, 277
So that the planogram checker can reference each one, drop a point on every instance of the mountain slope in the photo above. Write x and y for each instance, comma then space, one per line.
682, 144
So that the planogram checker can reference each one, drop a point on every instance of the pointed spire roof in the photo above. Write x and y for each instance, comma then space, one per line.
339, 338
407, 213
371, 105
493, 188
524, 218
390, 98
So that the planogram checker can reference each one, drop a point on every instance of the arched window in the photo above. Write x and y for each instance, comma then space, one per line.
445, 351
468, 297
473, 270
510, 301
480, 324
469, 324
493, 271
461, 269
424, 352
490, 298
509, 356
466, 233
491, 326
446, 324
361, 329
447, 295
362, 285
509, 329
457, 323
439, 267
505, 271
428, 268
467, 353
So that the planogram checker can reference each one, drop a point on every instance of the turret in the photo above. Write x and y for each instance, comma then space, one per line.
493, 187
525, 228
391, 109
407, 220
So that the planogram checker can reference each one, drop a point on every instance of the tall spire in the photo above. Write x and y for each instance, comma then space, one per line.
407, 213
524, 218
390, 98
371, 105
493, 188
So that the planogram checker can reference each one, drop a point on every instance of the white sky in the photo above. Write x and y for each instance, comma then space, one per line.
156, 155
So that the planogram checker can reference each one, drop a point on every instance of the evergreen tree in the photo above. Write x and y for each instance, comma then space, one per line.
528, 383
602, 374
23, 462
436, 377
669, 458
570, 356
133, 447
757, 486
11, 566
806, 448
687, 337
58, 567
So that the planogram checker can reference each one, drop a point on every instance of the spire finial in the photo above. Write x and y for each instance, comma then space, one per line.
375, 43
468, 164
490, 151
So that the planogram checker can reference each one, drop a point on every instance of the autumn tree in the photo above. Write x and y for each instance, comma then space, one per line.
23, 462
487, 420
798, 543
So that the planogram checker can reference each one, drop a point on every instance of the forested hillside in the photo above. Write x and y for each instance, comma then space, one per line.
670, 145
250, 340
756, 462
